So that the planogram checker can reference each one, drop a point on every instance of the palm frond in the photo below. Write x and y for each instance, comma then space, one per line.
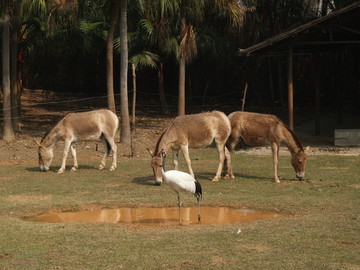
147, 26
145, 59
171, 46
29, 8
233, 10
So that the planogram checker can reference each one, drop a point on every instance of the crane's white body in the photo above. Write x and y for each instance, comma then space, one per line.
180, 181
183, 182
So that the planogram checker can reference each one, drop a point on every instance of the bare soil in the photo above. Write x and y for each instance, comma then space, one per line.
42, 109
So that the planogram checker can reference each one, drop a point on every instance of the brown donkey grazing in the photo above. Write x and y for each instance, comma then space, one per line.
84, 126
257, 129
194, 131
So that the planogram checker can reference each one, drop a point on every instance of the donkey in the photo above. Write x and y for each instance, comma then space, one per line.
84, 126
259, 129
194, 131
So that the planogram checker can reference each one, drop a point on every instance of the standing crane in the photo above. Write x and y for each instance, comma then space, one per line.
179, 182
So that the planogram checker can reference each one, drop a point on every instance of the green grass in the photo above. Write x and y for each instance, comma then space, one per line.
322, 230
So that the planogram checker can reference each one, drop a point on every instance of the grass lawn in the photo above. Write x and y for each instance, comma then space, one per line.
321, 231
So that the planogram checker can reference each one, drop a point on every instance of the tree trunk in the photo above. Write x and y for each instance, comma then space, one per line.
182, 64
110, 57
8, 132
125, 123
15, 84
163, 103
181, 105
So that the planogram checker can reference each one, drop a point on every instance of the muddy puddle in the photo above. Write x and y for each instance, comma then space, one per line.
159, 216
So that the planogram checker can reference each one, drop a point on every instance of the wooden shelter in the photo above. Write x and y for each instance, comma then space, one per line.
337, 29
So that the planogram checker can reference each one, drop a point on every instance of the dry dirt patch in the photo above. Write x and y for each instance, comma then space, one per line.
26, 198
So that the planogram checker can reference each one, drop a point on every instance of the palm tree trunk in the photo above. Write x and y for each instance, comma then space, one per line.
8, 132
110, 57
182, 63
125, 136
14, 76
181, 105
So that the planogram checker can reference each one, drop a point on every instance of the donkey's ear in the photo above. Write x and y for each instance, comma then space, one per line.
150, 152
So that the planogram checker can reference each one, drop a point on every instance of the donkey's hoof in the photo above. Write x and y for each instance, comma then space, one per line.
228, 176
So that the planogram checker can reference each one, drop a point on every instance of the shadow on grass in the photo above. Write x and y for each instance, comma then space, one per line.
270, 179
145, 181
67, 169
209, 176
150, 181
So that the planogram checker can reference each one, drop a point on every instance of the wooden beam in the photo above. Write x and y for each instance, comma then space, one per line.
290, 87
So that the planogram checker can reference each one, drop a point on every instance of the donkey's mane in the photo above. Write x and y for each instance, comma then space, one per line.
45, 135
158, 143
156, 151
50, 130
298, 143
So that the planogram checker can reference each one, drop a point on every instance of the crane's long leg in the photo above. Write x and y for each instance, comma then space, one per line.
179, 204
199, 217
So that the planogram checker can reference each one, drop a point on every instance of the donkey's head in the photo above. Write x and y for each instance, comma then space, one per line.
45, 157
156, 164
298, 161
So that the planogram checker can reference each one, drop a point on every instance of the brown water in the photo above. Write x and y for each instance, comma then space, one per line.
159, 216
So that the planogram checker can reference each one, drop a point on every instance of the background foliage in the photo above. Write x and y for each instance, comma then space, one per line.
65, 50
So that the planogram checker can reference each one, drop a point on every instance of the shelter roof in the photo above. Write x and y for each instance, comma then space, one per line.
337, 28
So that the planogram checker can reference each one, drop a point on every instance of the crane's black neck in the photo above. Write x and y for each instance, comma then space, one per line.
163, 162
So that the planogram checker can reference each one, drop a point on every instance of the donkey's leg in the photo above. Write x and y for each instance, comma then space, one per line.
176, 157
65, 154
73, 153
228, 165
185, 151
113, 146
275, 154
221, 148
103, 160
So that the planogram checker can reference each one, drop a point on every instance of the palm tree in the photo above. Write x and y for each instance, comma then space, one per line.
187, 47
8, 132
125, 136
143, 59
155, 32
15, 82
110, 55
192, 16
